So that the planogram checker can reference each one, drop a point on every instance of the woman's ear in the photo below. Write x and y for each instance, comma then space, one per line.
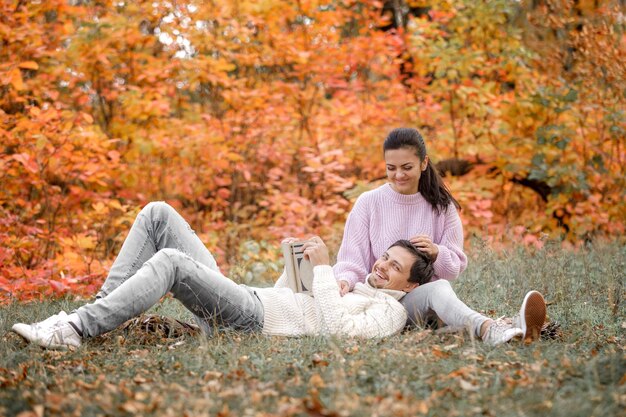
424, 163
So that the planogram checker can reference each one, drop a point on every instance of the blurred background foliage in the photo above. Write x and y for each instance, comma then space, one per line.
261, 119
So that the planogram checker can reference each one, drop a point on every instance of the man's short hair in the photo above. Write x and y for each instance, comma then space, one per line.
422, 269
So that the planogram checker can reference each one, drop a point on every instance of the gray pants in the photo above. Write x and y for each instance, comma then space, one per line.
438, 300
162, 254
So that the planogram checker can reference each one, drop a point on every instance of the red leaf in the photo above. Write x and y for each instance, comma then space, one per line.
28, 163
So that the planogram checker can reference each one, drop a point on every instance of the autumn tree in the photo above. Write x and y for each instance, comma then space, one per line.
254, 119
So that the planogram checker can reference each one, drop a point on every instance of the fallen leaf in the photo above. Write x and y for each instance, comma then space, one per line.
39, 410
140, 380
209, 375
317, 381
133, 407
468, 386
318, 360
436, 350
422, 407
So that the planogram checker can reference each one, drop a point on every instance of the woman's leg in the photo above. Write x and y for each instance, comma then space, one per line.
439, 298
157, 226
204, 291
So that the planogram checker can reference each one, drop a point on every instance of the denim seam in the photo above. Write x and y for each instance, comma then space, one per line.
133, 265
247, 316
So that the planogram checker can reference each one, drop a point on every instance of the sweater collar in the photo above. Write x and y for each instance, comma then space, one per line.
396, 197
369, 288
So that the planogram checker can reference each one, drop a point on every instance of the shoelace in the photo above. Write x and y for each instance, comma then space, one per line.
55, 334
499, 326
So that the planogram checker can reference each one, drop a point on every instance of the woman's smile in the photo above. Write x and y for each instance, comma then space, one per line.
404, 170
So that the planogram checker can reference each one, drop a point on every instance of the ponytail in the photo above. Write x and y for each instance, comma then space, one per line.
431, 185
433, 189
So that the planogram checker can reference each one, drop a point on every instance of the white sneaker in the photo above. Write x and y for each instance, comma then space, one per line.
22, 328
51, 334
531, 316
51, 320
501, 332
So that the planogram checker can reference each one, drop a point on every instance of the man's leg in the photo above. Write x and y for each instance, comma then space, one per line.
157, 226
203, 290
439, 298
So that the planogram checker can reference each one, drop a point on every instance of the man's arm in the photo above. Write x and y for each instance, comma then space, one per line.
282, 281
383, 316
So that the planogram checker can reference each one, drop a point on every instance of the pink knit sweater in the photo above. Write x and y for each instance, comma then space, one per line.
382, 216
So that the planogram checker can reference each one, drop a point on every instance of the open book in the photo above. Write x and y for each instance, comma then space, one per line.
299, 270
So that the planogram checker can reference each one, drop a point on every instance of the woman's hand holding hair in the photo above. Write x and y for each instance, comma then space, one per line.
425, 244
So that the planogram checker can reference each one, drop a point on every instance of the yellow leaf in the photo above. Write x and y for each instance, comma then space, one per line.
86, 242
16, 79
29, 65
87, 117
99, 207
115, 204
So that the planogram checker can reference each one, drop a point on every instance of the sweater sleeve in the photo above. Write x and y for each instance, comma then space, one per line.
384, 316
355, 253
281, 282
451, 260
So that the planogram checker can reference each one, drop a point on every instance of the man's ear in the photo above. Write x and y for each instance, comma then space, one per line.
410, 286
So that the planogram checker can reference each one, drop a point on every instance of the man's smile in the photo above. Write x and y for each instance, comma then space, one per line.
380, 277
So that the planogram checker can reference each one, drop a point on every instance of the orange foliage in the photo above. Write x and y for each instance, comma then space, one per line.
253, 119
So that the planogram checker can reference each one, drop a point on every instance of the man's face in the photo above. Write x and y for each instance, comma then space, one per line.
391, 271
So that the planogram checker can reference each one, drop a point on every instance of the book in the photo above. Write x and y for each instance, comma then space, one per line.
299, 270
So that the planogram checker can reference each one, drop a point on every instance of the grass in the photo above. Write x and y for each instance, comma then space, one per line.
420, 372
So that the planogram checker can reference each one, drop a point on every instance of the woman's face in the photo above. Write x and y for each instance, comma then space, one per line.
404, 169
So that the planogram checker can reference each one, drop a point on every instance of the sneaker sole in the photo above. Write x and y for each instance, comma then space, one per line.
533, 312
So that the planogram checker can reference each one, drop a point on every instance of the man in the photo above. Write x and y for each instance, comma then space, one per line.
372, 309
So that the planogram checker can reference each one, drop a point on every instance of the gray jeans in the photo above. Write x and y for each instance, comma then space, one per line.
162, 254
437, 299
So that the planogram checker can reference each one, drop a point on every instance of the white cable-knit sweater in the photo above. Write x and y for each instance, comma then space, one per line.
364, 312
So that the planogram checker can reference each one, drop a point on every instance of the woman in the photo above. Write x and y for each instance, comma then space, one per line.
415, 205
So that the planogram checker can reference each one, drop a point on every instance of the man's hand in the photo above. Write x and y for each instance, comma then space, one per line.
344, 287
289, 239
426, 245
316, 252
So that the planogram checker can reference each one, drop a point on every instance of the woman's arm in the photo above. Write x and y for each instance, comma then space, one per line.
355, 254
451, 260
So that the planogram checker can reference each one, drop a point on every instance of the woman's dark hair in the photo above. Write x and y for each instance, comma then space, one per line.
422, 269
430, 186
